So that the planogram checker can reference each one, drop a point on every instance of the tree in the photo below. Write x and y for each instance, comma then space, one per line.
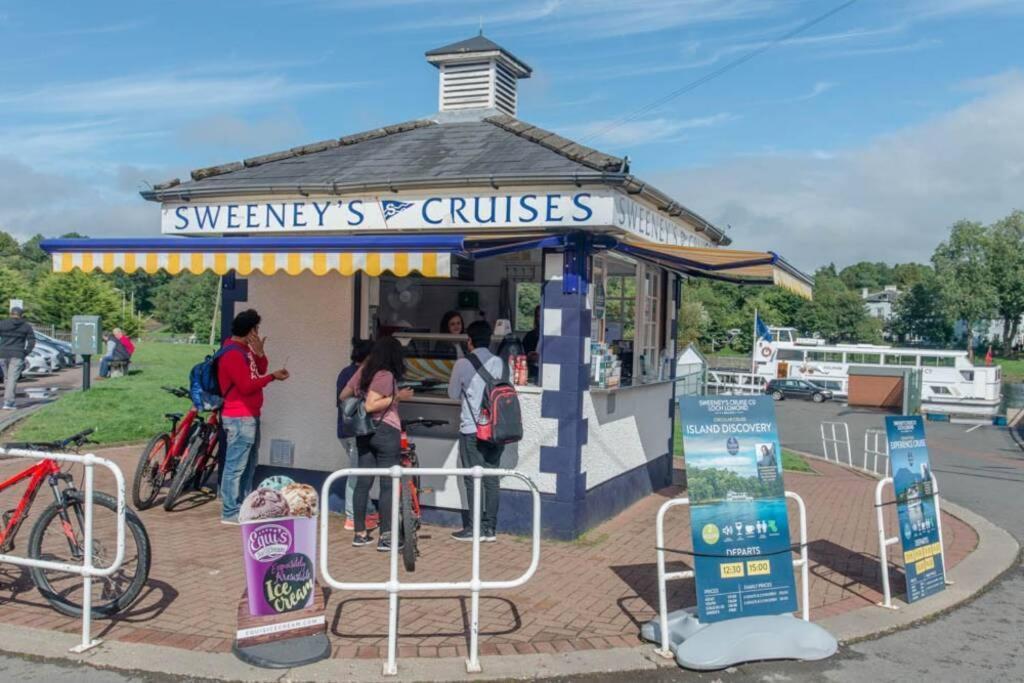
865, 274
964, 277
906, 275
692, 323
919, 314
13, 285
185, 303
1006, 270
837, 312
63, 295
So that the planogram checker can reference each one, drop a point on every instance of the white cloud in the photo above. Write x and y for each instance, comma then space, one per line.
615, 134
892, 199
163, 94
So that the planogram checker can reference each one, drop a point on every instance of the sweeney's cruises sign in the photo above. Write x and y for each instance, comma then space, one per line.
434, 212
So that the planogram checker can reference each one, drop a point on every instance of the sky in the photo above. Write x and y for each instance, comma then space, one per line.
862, 138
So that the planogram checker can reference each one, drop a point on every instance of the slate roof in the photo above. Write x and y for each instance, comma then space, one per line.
475, 44
495, 151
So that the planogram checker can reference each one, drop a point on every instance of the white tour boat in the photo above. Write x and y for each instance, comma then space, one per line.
950, 382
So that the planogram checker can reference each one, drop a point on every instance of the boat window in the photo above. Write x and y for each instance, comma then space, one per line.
864, 358
900, 360
941, 391
826, 356
967, 375
790, 354
938, 361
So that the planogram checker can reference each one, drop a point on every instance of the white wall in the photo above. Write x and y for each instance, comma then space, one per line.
634, 433
308, 320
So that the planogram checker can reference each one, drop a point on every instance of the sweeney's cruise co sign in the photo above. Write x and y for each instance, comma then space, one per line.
437, 212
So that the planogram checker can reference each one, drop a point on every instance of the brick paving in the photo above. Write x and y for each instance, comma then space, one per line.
590, 594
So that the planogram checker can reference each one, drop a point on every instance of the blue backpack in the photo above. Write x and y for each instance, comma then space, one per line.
203, 387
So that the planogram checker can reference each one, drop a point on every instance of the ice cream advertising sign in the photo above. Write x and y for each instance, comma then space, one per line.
280, 561
915, 505
742, 555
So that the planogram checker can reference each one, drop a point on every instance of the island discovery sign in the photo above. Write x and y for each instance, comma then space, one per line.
435, 212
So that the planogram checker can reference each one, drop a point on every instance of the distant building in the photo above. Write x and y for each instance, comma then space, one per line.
989, 332
879, 304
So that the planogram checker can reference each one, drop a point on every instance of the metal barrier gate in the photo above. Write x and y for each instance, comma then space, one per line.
87, 571
393, 586
884, 543
664, 577
876, 445
836, 439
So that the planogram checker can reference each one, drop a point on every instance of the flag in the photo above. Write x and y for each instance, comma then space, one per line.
764, 351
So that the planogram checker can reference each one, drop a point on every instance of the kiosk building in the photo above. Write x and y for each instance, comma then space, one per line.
470, 209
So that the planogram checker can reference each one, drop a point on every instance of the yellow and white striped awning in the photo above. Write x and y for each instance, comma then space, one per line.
427, 264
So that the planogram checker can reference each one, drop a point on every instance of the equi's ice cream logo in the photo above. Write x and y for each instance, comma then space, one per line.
269, 542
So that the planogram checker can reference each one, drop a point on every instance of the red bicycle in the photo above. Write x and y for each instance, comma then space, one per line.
183, 454
409, 499
58, 535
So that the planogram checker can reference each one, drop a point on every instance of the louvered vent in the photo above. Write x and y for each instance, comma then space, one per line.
477, 74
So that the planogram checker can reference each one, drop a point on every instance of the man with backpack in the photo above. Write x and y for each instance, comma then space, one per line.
17, 339
241, 365
490, 418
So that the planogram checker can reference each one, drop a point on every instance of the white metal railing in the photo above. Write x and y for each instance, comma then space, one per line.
664, 577
884, 543
836, 435
86, 570
730, 382
393, 586
876, 445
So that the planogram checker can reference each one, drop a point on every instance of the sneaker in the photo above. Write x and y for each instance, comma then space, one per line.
233, 521
350, 524
384, 544
488, 536
464, 535
359, 540
9, 406
372, 521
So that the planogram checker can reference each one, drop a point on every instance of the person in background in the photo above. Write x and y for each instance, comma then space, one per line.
468, 387
17, 339
360, 351
119, 348
241, 373
530, 343
376, 382
452, 323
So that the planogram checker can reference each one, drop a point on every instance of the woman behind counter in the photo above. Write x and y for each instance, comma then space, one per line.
452, 323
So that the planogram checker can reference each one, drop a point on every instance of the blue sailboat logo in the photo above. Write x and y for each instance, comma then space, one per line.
392, 207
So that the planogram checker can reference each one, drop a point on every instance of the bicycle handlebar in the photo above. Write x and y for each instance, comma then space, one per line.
425, 422
180, 392
60, 444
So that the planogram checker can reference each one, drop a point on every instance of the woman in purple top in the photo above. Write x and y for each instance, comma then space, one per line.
377, 384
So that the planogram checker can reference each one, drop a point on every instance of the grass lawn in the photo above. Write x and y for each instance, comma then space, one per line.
1013, 370
124, 409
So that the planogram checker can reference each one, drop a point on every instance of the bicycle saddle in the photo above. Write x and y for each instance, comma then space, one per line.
176, 417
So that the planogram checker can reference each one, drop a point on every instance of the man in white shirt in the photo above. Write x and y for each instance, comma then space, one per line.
469, 388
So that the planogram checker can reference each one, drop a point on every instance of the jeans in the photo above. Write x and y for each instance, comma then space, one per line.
105, 366
348, 443
12, 373
243, 439
473, 452
380, 449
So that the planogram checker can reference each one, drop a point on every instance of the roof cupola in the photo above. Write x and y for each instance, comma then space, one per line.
477, 74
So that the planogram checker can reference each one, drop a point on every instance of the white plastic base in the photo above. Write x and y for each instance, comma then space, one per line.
79, 649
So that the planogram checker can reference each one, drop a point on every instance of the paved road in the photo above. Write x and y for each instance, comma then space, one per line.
983, 470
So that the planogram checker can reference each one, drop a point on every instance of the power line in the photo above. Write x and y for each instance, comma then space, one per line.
746, 57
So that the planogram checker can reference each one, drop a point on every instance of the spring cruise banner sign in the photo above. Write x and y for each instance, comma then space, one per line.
742, 557
915, 505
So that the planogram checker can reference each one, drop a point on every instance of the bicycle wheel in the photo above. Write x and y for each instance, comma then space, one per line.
186, 470
148, 478
52, 540
408, 530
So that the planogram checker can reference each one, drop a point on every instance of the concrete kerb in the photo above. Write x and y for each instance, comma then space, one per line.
996, 553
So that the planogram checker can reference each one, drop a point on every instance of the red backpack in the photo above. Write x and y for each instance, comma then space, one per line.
501, 420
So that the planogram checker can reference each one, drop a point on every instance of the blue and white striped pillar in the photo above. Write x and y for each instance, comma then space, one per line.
565, 377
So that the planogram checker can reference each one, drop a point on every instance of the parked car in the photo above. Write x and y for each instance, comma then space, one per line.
779, 389
67, 356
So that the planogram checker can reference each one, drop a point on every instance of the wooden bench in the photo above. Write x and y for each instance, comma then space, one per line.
119, 368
